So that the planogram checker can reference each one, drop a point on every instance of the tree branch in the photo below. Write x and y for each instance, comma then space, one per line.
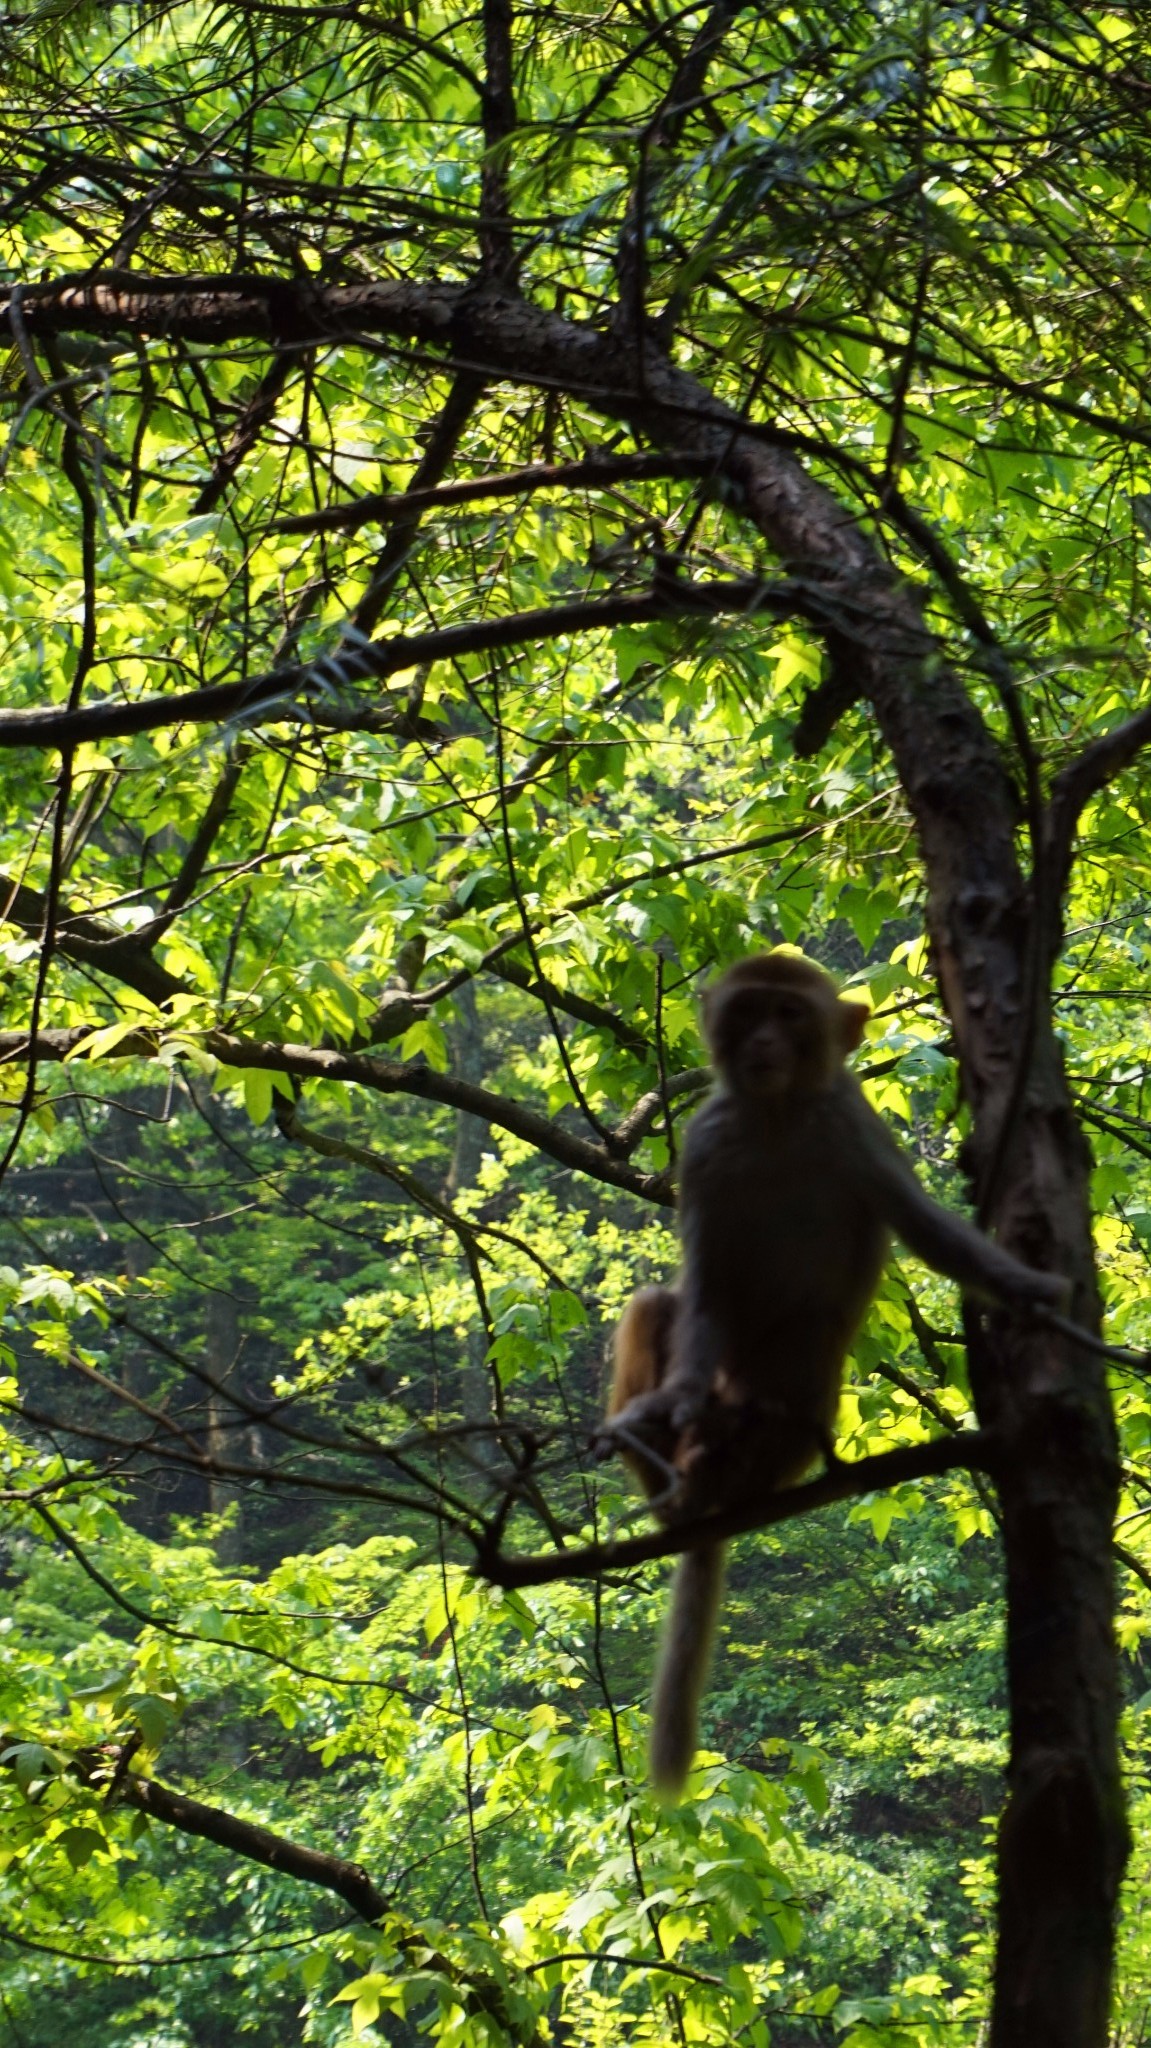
946, 757
349, 1881
497, 246
593, 471
572, 1003
105, 1770
275, 693
254, 417
91, 942
199, 847
967, 1449
383, 1077
441, 446
658, 140
1075, 785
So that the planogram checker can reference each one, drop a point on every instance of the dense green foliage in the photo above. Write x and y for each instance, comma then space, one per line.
283, 1330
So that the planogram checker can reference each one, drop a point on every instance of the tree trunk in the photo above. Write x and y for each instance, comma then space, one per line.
1062, 1835
221, 1351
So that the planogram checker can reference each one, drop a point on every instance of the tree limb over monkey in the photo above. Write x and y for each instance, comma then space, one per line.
726, 1387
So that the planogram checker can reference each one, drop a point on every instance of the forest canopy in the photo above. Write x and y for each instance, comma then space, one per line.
508, 510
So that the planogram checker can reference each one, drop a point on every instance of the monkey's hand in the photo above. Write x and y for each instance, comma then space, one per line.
660, 1416
642, 1433
648, 1418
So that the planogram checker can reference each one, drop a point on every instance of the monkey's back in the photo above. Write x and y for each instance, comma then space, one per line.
783, 1244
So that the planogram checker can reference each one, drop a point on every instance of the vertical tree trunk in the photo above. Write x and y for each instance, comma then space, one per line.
1062, 1835
221, 1352
144, 1491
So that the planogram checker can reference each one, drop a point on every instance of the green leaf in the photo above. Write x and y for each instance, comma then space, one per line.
80, 1844
258, 1094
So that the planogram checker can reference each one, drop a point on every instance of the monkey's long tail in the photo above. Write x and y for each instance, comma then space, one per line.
681, 1672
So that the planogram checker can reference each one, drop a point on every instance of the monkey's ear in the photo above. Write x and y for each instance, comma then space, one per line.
852, 1023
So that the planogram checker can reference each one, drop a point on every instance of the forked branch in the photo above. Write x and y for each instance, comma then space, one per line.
1091, 771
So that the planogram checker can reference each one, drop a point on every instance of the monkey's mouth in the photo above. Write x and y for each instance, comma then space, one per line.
767, 1074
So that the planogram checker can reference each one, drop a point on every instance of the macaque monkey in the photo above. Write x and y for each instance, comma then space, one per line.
726, 1387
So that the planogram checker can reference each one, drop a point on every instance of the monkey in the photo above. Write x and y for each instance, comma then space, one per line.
726, 1387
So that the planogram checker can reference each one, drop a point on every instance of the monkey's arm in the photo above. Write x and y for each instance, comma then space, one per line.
936, 1235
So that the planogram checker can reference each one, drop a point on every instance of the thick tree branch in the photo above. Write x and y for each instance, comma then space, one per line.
91, 942
947, 760
349, 1881
969, 1449
635, 1126
276, 694
383, 1077
106, 1770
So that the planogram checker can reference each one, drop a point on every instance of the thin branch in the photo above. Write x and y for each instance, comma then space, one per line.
409, 1184
178, 1961
659, 139
1098, 764
643, 878
572, 1003
626, 1962
593, 471
392, 558
571, 1076
1128, 1559
1135, 1361
922, 1396
254, 417
199, 847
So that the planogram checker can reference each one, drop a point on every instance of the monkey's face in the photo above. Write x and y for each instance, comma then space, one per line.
771, 1043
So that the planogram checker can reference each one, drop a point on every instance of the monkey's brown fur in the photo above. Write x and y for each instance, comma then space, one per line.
790, 1188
